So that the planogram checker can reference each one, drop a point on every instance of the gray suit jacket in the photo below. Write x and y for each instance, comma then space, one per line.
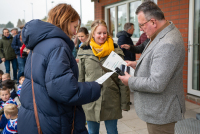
157, 82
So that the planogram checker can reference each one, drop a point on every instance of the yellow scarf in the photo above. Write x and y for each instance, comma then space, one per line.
103, 50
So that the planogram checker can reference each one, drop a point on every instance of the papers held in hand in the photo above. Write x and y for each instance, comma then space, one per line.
104, 77
112, 62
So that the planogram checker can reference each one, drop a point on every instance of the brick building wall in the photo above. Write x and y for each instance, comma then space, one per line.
176, 11
99, 7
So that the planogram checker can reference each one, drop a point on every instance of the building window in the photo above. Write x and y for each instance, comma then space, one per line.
116, 15
133, 18
111, 12
122, 19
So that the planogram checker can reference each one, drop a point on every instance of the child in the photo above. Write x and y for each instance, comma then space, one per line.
5, 99
1, 73
6, 76
9, 84
11, 113
21, 80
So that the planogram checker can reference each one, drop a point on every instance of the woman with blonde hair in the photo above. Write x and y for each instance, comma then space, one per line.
51, 93
115, 97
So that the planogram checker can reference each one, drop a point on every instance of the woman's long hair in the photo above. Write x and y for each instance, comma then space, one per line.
94, 25
62, 16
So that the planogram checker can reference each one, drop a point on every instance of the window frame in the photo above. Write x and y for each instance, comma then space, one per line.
127, 2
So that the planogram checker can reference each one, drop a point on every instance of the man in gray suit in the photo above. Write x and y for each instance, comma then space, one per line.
157, 82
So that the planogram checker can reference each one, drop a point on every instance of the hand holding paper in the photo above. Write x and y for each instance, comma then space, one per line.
115, 61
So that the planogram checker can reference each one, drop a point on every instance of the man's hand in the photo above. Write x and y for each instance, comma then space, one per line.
28, 51
124, 78
3, 59
131, 63
126, 46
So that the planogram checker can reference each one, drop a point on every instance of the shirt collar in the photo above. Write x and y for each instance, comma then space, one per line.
159, 30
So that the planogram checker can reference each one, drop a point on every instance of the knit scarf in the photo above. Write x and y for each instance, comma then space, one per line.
103, 50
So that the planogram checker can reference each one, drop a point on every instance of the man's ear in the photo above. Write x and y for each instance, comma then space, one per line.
154, 23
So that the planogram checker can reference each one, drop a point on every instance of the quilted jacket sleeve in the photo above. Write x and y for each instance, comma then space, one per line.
61, 84
121, 41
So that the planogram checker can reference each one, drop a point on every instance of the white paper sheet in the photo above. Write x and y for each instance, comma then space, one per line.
104, 77
113, 61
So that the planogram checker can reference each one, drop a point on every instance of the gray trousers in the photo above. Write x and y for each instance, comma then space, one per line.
161, 129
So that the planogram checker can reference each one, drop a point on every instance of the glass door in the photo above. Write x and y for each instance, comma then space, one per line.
194, 49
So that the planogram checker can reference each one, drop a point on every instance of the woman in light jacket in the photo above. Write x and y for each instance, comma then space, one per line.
115, 97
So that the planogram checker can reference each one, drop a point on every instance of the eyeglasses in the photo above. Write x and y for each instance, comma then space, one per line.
141, 25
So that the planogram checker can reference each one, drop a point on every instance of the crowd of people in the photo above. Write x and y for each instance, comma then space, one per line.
56, 93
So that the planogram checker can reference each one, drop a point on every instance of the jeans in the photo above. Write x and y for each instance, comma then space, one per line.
14, 66
111, 127
21, 65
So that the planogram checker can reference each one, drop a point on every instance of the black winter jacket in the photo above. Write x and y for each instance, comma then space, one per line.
16, 44
125, 38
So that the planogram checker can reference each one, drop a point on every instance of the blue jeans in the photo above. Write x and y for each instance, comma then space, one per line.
21, 64
14, 66
111, 127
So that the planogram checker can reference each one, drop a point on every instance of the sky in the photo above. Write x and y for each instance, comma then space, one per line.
12, 10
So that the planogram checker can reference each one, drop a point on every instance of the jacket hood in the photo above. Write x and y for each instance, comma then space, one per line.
123, 33
36, 31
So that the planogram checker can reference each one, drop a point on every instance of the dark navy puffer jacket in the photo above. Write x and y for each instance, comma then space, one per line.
16, 44
55, 76
125, 38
